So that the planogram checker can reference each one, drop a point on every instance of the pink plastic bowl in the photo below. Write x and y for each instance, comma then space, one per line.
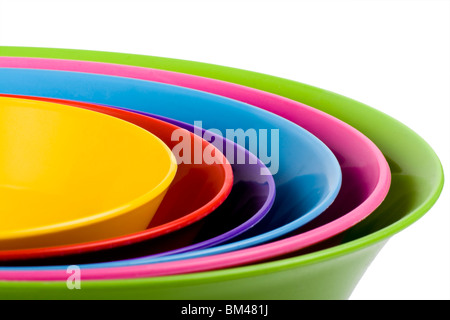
365, 181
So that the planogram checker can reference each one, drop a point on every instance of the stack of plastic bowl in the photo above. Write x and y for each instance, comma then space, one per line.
281, 191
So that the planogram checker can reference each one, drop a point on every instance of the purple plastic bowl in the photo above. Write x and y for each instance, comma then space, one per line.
250, 199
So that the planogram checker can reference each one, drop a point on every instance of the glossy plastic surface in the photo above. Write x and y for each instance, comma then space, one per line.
70, 175
332, 273
250, 199
308, 177
197, 190
366, 174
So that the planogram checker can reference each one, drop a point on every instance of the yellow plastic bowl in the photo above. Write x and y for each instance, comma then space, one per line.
70, 175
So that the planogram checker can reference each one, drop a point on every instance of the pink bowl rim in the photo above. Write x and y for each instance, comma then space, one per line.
282, 106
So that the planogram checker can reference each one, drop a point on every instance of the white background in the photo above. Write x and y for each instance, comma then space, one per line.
393, 55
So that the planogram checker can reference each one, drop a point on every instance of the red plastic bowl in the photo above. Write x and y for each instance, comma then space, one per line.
182, 206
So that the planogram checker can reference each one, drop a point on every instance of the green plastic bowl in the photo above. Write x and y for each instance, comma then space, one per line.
330, 270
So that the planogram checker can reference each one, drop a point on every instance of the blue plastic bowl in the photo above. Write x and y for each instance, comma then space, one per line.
307, 174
